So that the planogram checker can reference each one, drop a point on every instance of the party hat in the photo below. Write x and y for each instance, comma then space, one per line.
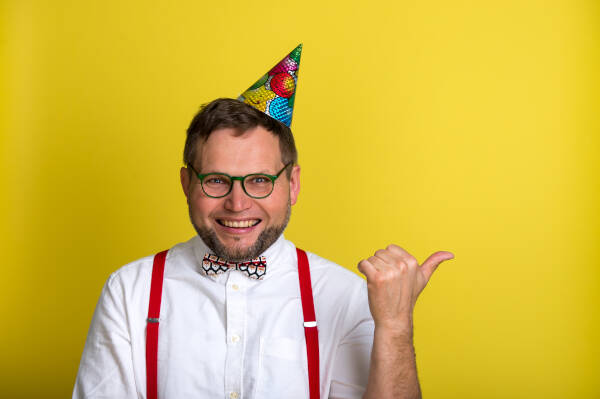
274, 92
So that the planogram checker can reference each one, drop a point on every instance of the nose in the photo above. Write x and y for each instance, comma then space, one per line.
237, 200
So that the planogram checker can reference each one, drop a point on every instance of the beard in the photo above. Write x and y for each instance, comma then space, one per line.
235, 254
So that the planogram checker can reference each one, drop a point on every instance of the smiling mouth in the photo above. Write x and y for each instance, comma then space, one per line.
238, 224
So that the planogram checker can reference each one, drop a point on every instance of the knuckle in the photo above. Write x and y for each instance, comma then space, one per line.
398, 251
378, 279
380, 252
392, 247
402, 266
395, 249
392, 274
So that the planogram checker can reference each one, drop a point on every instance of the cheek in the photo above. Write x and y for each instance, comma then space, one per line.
278, 204
202, 206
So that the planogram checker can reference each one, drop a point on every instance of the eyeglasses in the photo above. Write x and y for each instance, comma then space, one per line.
255, 185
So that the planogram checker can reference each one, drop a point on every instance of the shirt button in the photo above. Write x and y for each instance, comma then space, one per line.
235, 287
234, 395
235, 338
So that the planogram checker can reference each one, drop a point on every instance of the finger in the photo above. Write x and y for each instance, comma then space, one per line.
404, 255
434, 260
377, 262
386, 256
366, 268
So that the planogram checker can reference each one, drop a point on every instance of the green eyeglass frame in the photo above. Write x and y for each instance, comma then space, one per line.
242, 179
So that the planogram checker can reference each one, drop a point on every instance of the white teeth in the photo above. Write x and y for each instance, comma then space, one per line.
239, 224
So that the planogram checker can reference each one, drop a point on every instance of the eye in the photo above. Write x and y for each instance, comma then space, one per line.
258, 180
216, 180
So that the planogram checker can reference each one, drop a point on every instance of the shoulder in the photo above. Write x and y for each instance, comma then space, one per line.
322, 267
330, 279
137, 274
124, 297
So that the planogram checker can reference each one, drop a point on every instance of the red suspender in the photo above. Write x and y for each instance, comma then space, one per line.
158, 270
308, 309
311, 333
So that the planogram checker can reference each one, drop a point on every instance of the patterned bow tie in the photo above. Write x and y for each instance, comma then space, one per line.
255, 268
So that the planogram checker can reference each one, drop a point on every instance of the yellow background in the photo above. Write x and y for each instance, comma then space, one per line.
469, 126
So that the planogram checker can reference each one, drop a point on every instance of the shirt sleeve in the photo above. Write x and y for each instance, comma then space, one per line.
106, 368
353, 356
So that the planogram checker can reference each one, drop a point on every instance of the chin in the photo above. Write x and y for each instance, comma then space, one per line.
237, 244
238, 252
241, 248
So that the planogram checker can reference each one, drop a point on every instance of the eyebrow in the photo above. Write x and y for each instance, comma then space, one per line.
263, 172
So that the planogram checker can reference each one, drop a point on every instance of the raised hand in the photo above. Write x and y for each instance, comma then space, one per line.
394, 281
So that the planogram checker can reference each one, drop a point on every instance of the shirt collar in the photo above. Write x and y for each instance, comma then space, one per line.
276, 255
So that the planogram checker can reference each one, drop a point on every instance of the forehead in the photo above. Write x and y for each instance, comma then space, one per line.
229, 151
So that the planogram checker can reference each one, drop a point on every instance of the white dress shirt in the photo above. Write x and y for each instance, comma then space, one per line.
228, 336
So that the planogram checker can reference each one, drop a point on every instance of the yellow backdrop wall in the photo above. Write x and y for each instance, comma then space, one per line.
465, 126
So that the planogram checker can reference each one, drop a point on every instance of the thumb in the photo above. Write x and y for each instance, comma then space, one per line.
434, 260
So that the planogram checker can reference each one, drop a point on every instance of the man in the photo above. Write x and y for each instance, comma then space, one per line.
231, 317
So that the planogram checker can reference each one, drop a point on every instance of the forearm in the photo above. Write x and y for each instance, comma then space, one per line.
393, 372
394, 281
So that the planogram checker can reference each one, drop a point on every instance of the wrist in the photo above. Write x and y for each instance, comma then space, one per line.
395, 331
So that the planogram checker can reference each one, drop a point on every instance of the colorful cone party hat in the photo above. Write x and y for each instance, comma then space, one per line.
274, 93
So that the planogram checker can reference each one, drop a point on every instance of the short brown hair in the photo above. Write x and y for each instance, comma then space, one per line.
228, 113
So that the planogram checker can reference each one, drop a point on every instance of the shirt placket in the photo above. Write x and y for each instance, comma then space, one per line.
236, 337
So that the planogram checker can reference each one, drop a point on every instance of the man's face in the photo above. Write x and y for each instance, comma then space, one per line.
259, 221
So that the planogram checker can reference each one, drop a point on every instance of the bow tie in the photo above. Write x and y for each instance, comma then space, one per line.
255, 268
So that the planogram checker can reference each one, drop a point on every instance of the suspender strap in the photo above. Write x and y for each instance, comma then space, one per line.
310, 325
308, 309
158, 270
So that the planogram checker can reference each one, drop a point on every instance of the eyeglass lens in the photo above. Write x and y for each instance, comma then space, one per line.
217, 185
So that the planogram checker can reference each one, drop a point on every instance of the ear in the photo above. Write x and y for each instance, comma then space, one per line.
184, 176
294, 184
